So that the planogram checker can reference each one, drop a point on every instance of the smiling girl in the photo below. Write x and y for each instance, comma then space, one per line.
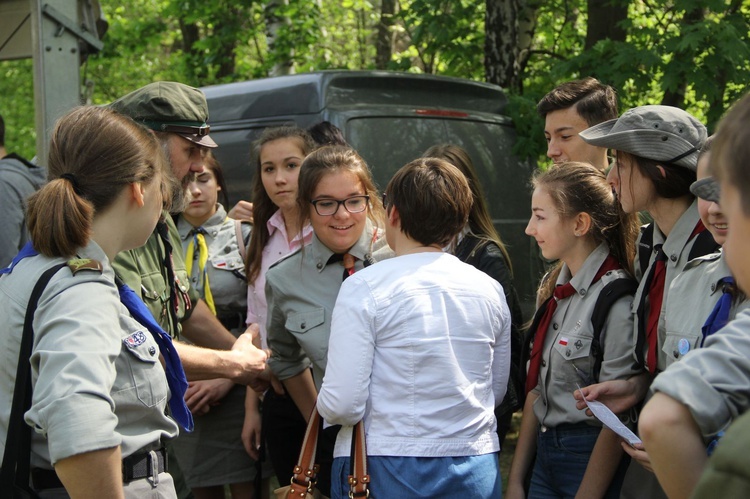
577, 221
338, 198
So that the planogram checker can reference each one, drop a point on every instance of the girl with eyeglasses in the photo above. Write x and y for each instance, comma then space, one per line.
337, 196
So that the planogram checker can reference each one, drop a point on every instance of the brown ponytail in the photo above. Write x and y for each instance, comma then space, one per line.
94, 153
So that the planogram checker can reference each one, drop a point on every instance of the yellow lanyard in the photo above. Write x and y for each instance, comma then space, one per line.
200, 241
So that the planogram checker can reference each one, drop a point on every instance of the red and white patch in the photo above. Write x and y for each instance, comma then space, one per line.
563, 341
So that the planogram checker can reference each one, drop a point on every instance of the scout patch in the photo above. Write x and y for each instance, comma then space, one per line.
78, 264
563, 341
135, 339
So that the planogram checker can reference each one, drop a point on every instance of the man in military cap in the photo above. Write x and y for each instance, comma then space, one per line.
177, 115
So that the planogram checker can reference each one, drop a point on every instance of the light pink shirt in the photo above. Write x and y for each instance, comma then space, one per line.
277, 247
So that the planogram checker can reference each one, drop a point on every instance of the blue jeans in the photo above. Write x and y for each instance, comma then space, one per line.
475, 477
562, 457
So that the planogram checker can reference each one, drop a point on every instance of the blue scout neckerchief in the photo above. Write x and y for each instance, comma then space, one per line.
719, 316
175, 373
176, 378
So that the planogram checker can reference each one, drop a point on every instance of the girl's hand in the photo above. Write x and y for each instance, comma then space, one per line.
638, 453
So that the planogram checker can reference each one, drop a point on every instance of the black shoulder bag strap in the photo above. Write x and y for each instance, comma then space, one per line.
14, 475
612, 292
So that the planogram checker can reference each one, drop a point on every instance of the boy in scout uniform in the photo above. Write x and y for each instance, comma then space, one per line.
699, 397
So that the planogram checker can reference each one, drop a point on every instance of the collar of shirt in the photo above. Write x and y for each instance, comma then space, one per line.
674, 244
276, 223
184, 227
582, 280
362, 249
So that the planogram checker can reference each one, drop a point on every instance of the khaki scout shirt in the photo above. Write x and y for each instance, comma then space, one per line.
677, 248
96, 376
225, 267
301, 290
567, 360
144, 271
692, 297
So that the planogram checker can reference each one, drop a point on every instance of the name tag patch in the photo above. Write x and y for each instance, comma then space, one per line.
135, 339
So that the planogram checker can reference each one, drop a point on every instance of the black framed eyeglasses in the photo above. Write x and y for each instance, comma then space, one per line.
328, 207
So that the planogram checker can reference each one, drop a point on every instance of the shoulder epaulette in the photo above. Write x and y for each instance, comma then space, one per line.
78, 264
712, 257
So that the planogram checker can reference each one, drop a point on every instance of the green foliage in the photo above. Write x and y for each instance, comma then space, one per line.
693, 52
17, 106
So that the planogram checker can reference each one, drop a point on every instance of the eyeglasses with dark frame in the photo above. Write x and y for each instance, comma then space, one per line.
327, 207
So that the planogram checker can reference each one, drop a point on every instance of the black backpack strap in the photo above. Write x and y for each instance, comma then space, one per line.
703, 245
646, 247
16, 459
528, 342
609, 295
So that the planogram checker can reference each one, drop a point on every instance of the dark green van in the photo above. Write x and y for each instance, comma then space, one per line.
390, 118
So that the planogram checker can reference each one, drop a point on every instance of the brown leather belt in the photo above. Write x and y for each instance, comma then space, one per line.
134, 467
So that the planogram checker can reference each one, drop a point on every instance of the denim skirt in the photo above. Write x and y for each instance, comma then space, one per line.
476, 477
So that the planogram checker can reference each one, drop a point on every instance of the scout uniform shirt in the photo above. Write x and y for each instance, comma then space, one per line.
144, 270
225, 269
301, 290
676, 247
567, 359
96, 376
692, 297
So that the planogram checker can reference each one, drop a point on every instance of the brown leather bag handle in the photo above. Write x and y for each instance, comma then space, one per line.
359, 480
306, 471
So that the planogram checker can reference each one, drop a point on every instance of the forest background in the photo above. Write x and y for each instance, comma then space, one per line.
693, 54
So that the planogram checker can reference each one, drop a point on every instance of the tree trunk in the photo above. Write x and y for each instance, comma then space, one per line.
501, 44
384, 36
605, 19
676, 96
283, 64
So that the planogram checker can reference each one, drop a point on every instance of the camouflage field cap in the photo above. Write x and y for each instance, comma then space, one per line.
168, 106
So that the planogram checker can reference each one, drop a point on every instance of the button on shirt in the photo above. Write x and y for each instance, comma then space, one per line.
301, 291
692, 297
567, 348
420, 347
96, 376
277, 247
676, 247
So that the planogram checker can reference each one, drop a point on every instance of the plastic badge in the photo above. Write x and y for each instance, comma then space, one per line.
610, 420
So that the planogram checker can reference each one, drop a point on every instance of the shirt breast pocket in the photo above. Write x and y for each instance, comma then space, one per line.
302, 322
147, 377
230, 263
677, 345
572, 354
155, 294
